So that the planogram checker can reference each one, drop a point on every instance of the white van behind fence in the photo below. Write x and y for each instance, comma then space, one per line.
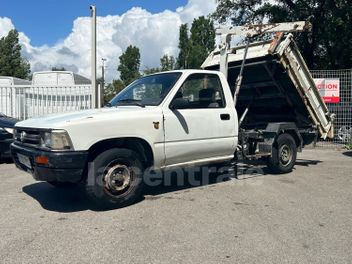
49, 92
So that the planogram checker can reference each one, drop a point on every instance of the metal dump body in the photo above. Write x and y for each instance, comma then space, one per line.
277, 85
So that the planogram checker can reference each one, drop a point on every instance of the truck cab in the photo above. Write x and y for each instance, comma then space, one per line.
165, 120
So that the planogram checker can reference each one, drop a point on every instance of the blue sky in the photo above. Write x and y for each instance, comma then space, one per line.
48, 21
57, 33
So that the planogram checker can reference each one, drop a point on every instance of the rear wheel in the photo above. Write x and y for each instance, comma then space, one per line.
284, 154
116, 178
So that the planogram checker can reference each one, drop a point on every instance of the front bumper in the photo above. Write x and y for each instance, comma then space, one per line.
65, 166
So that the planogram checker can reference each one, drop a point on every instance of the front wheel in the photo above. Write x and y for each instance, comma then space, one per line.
115, 178
284, 154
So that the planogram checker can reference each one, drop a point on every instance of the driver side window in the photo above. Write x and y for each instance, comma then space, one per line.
200, 91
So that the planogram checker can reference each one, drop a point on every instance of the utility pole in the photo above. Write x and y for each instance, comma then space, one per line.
103, 60
94, 55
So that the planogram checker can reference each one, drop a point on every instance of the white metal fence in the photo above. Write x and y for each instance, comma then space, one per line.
23, 101
342, 109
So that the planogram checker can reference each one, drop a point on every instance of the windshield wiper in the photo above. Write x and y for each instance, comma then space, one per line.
130, 102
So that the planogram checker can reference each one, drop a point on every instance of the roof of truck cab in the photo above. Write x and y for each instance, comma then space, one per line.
183, 71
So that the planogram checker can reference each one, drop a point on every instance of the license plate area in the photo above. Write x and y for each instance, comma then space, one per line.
24, 160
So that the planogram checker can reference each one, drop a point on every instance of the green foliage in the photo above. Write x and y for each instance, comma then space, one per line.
112, 89
130, 62
183, 45
203, 34
149, 71
348, 146
167, 63
11, 62
195, 48
329, 44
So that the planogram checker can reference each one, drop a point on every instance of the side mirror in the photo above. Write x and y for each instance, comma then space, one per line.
179, 103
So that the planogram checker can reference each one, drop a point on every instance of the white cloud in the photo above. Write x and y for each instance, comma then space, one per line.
5, 26
155, 35
196, 8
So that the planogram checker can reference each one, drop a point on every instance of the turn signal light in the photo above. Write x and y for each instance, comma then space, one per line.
41, 160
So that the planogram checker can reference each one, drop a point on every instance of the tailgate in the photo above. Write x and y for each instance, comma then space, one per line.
296, 67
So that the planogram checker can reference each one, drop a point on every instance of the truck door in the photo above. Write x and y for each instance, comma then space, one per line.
199, 124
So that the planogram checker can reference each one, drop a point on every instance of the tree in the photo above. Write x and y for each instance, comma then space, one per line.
149, 71
112, 89
195, 48
329, 44
202, 41
167, 63
183, 45
11, 62
130, 62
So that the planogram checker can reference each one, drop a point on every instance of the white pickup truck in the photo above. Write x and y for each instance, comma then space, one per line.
177, 119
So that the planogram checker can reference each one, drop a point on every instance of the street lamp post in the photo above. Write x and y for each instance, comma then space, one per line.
103, 60
102, 82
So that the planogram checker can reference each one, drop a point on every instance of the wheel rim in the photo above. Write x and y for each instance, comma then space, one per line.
285, 155
117, 179
345, 133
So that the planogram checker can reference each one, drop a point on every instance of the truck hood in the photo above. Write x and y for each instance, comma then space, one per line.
65, 119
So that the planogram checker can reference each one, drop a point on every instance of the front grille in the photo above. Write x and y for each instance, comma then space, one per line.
28, 137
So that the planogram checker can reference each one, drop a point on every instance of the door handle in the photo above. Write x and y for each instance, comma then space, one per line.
225, 117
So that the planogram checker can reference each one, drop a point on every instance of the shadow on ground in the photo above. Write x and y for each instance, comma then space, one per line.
347, 153
307, 163
73, 199
6, 161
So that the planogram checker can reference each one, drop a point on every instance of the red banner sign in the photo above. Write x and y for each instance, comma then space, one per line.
329, 89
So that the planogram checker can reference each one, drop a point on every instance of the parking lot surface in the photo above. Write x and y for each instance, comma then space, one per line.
301, 217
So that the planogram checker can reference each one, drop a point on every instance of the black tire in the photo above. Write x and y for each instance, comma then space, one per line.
284, 154
116, 178
62, 185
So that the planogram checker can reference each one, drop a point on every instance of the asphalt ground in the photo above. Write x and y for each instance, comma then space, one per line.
301, 217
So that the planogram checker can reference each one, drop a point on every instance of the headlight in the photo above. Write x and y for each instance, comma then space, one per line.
56, 140
9, 130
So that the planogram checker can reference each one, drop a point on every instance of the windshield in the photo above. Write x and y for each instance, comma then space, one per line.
149, 90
